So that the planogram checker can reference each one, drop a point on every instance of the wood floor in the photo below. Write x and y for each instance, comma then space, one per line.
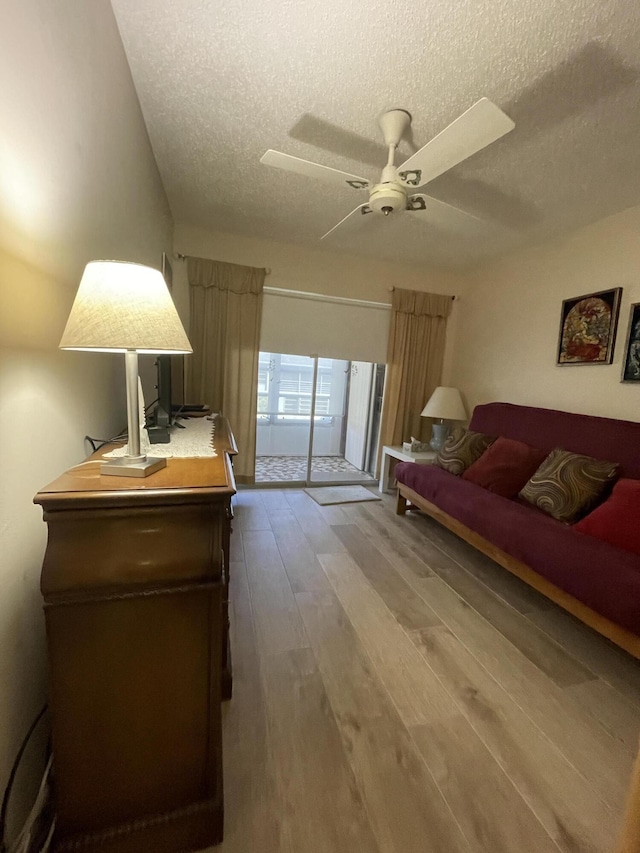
396, 692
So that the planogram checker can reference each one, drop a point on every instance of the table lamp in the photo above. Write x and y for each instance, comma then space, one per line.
445, 404
125, 307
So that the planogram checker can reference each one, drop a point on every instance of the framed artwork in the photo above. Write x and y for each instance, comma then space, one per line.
631, 361
588, 328
167, 272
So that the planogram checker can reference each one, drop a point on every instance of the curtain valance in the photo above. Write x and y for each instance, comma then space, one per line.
235, 278
421, 304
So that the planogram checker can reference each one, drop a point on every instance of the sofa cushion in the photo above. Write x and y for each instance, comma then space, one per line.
602, 438
566, 485
461, 449
617, 520
603, 577
505, 466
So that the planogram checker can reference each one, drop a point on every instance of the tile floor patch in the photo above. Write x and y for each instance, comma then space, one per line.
284, 468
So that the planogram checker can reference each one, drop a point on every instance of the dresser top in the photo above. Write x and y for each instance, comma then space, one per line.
182, 478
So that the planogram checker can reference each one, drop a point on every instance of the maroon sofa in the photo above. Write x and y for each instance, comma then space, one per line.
594, 580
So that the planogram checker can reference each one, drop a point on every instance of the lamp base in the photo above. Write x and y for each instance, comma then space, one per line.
127, 466
438, 436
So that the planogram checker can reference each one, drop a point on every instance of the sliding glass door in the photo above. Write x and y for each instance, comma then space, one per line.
283, 434
316, 420
327, 439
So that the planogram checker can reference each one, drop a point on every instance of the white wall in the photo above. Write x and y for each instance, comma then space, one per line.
78, 182
312, 270
509, 321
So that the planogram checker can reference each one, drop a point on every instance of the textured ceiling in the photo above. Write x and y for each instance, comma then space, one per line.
221, 82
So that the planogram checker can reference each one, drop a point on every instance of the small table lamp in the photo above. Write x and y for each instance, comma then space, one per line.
124, 307
445, 404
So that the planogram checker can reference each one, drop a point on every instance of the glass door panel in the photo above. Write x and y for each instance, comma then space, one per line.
327, 442
285, 391
340, 425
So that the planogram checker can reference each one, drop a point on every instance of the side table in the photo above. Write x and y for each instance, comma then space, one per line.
392, 454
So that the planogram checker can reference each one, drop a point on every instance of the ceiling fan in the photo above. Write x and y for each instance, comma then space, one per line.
475, 129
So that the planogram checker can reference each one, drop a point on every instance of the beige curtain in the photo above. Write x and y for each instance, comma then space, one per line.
226, 309
414, 363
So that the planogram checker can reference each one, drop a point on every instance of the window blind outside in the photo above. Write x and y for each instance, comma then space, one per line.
304, 325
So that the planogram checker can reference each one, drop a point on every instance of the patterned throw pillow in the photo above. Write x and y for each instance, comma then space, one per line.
461, 449
567, 484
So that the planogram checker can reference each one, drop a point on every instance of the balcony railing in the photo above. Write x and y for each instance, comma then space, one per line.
302, 386
282, 418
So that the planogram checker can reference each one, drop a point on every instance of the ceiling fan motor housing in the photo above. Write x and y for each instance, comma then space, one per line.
387, 198
394, 124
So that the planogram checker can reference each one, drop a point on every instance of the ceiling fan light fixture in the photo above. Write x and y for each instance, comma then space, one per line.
387, 198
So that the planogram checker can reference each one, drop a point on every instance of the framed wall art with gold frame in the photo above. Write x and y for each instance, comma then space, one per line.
588, 328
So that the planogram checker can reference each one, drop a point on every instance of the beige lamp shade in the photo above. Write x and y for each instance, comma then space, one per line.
445, 403
121, 306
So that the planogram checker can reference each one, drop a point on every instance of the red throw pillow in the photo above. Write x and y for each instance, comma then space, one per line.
505, 467
617, 520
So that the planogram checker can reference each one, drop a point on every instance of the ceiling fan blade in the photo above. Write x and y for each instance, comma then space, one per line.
432, 211
479, 126
313, 170
352, 221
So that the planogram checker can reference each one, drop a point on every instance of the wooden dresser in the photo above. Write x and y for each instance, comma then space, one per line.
134, 582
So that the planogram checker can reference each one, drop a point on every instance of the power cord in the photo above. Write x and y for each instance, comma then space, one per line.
97, 443
12, 777
121, 438
31, 838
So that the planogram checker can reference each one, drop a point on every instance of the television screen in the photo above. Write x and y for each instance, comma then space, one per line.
170, 389
177, 382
